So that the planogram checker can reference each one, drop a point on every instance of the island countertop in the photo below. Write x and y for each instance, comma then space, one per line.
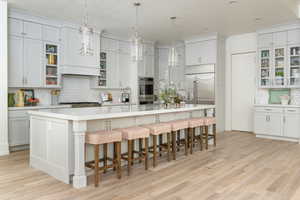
96, 113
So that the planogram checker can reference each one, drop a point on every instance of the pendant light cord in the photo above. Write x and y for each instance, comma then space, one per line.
86, 16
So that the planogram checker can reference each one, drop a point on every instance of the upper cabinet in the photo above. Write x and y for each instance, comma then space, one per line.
32, 30
51, 34
201, 53
279, 59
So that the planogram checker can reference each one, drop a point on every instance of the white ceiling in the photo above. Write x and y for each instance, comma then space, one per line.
195, 17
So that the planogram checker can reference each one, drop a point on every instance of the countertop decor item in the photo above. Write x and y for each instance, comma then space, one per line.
285, 99
20, 98
11, 100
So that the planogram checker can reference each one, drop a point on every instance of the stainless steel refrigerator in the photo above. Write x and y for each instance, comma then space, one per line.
200, 84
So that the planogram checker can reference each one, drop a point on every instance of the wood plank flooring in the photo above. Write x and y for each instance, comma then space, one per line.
241, 167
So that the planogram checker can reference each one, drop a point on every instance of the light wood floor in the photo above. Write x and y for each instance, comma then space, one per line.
242, 167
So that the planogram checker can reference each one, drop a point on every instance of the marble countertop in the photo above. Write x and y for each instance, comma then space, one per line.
277, 105
94, 113
39, 107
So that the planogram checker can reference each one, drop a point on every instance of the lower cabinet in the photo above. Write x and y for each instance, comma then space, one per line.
277, 122
18, 128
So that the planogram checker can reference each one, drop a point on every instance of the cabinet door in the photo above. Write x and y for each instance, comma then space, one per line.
149, 66
112, 69
279, 68
33, 63
124, 47
292, 125
149, 49
51, 34
124, 70
18, 131
265, 40
109, 44
294, 36
280, 38
141, 67
293, 66
15, 62
200, 53
163, 64
265, 70
261, 123
33, 30
15, 27
275, 124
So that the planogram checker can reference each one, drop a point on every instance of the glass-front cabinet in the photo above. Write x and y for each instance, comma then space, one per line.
265, 67
102, 79
294, 66
278, 72
51, 65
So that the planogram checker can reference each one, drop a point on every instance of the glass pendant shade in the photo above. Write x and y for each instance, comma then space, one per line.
137, 48
86, 34
173, 57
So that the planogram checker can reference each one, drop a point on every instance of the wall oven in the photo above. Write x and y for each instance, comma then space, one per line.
146, 90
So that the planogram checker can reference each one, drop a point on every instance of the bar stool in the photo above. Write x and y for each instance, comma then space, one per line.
158, 130
176, 126
193, 124
209, 121
104, 137
131, 134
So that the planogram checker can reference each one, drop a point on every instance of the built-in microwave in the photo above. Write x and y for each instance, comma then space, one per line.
146, 90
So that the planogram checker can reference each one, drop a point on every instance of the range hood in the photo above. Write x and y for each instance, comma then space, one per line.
79, 70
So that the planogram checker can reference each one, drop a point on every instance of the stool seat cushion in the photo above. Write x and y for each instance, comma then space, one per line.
159, 128
209, 121
103, 137
179, 125
133, 133
196, 122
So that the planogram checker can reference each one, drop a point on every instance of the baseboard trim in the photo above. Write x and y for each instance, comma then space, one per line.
277, 138
4, 149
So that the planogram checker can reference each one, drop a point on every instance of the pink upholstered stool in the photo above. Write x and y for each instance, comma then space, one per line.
131, 134
209, 121
193, 124
158, 130
104, 137
176, 126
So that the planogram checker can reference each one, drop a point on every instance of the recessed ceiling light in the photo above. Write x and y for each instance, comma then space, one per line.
231, 2
258, 19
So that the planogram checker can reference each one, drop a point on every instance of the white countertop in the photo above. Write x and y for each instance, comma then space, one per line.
94, 113
39, 107
277, 105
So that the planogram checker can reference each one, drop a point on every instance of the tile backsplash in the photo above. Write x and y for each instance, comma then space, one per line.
262, 96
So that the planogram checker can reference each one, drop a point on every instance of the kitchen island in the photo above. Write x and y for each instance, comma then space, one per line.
57, 137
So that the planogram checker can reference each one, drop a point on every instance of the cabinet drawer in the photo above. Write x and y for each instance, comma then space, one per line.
17, 114
292, 110
269, 109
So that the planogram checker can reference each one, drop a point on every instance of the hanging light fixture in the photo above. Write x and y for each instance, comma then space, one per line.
86, 35
173, 54
137, 41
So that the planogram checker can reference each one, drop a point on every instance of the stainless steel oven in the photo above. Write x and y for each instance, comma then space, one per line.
146, 90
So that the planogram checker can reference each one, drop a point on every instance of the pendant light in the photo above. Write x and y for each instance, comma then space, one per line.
137, 41
173, 54
86, 34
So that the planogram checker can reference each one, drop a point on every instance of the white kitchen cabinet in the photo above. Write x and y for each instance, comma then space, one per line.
200, 53
277, 122
163, 63
108, 44
15, 62
112, 69
124, 47
149, 66
51, 34
294, 36
33, 63
148, 49
18, 131
265, 40
32, 30
280, 38
15, 27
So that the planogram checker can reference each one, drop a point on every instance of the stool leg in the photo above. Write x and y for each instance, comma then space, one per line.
215, 134
146, 152
169, 146
118, 158
129, 161
96, 170
132, 152
154, 150
178, 140
105, 157
206, 137
192, 130
160, 137
174, 148
115, 153
186, 142
201, 141
140, 149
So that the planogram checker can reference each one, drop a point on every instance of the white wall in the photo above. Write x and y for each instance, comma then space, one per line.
3, 79
236, 44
